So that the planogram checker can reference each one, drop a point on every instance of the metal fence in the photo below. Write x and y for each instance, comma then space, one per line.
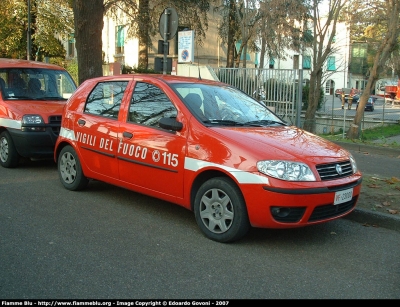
282, 91
332, 119
278, 88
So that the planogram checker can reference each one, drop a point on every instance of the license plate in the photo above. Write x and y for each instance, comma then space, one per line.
343, 196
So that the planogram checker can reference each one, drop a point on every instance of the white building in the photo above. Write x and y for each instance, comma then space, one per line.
118, 48
335, 72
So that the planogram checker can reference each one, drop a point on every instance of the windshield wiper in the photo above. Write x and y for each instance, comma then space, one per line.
18, 97
224, 122
53, 98
264, 122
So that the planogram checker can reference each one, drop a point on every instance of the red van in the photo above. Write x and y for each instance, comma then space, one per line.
32, 97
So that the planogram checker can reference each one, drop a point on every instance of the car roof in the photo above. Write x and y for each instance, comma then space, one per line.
161, 77
19, 63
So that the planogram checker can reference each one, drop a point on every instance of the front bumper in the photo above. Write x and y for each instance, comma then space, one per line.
301, 206
31, 144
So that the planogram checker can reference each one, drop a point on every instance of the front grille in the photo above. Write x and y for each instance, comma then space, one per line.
55, 123
329, 171
328, 211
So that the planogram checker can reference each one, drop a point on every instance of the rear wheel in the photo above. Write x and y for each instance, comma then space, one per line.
220, 210
70, 170
9, 156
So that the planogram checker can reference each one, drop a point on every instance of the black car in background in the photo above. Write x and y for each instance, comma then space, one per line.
370, 104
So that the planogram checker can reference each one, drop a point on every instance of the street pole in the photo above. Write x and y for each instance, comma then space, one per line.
166, 37
28, 51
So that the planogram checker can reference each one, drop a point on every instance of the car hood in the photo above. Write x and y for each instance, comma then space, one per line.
283, 142
43, 108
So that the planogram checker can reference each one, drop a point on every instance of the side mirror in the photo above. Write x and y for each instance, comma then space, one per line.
170, 124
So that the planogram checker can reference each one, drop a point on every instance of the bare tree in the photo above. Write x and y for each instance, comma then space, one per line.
228, 28
324, 31
385, 22
279, 27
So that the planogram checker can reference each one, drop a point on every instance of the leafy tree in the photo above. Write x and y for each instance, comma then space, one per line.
49, 21
13, 19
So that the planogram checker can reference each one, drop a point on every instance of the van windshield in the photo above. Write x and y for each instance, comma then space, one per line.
35, 84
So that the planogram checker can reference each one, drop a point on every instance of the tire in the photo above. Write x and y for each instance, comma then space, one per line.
70, 170
9, 157
220, 210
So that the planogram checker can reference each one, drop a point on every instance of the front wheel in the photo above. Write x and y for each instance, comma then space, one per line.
220, 210
70, 170
9, 157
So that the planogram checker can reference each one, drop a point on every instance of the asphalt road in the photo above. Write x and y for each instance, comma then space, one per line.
110, 243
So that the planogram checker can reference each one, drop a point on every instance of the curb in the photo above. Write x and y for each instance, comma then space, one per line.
374, 219
369, 217
379, 150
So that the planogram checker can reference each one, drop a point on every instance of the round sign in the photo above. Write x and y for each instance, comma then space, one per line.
171, 16
185, 55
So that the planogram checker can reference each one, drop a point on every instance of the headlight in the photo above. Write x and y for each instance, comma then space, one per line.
286, 170
353, 164
32, 120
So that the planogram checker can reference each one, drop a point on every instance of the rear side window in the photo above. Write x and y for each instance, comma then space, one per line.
149, 103
105, 99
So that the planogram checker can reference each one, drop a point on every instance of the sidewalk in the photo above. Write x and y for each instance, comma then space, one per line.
370, 217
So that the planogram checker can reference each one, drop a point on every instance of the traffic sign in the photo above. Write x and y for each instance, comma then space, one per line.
168, 23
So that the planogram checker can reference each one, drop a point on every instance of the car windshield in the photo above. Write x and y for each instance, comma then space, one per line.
225, 105
35, 84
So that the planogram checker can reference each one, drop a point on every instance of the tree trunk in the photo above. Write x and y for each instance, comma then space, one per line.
231, 33
88, 15
313, 98
144, 21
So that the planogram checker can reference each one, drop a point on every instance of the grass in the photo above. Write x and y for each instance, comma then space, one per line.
376, 136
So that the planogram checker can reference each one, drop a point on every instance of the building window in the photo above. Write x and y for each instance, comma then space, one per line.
271, 63
331, 63
308, 36
306, 62
296, 61
71, 45
119, 40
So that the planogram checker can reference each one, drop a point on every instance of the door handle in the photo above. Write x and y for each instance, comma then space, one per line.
81, 122
127, 135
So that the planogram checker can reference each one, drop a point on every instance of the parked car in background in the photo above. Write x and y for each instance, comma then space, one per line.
338, 92
370, 106
206, 146
354, 98
32, 97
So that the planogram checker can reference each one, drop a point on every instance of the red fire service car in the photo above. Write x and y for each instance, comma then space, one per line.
206, 146
32, 97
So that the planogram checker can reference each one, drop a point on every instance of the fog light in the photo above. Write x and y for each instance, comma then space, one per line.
280, 211
34, 129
